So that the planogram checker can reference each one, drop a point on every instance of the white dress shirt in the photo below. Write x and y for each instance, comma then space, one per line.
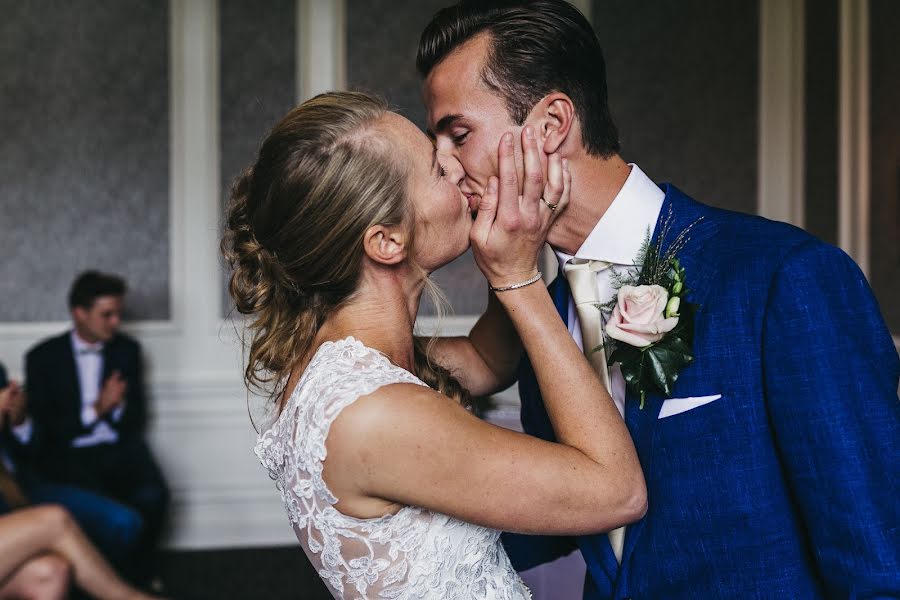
89, 363
617, 239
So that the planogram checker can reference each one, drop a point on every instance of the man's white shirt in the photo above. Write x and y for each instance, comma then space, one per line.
617, 239
89, 363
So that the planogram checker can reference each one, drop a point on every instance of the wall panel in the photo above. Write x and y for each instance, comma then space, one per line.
257, 81
885, 155
84, 152
683, 88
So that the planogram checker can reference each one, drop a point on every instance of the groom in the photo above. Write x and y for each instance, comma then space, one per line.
772, 470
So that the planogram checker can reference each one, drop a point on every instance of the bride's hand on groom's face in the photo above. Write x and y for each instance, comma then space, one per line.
510, 228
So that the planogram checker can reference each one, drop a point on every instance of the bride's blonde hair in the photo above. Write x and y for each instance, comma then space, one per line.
295, 227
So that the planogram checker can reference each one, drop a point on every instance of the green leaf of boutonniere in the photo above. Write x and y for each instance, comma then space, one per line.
653, 367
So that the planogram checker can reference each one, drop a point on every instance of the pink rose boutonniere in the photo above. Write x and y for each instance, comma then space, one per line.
651, 328
640, 317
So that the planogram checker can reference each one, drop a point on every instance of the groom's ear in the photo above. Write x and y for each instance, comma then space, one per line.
555, 115
385, 245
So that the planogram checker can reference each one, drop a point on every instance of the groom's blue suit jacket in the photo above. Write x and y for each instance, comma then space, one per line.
786, 486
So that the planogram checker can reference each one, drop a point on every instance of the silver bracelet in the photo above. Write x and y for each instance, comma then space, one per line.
516, 286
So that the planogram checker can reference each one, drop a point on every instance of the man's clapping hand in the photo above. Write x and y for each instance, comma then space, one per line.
12, 405
112, 395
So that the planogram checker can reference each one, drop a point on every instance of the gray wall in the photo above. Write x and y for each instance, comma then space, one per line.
821, 122
257, 82
885, 153
683, 89
84, 152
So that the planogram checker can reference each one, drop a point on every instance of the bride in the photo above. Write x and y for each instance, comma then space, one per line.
393, 488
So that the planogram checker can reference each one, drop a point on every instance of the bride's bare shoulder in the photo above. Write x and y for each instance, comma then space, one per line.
391, 410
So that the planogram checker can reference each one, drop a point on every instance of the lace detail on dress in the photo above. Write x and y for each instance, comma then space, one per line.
414, 553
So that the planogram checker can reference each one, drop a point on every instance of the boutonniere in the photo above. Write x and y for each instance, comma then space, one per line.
650, 331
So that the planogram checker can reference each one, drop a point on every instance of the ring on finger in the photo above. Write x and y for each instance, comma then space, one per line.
550, 206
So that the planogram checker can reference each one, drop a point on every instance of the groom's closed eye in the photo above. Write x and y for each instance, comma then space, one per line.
459, 138
450, 126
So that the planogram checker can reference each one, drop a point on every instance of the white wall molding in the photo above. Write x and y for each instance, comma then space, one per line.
853, 140
246, 516
321, 47
195, 63
781, 165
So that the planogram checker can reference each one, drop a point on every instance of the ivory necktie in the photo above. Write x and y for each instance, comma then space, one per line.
582, 277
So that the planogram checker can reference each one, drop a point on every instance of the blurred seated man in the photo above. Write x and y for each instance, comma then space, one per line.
113, 527
86, 397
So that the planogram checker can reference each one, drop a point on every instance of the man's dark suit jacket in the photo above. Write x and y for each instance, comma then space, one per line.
54, 392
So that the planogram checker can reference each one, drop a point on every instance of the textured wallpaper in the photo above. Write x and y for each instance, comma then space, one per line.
84, 152
382, 37
257, 84
885, 153
821, 99
683, 88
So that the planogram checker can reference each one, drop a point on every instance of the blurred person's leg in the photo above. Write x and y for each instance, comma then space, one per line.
31, 532
113, 527
139, 482
45, 577
136, 480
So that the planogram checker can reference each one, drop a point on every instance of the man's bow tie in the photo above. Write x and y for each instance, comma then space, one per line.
90, 350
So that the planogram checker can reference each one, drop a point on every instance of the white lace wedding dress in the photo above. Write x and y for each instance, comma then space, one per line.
414, 553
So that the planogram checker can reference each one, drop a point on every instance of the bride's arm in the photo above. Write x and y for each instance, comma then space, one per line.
406, 444
485, 361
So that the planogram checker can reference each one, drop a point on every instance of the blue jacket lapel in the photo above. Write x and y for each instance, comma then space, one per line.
682, 214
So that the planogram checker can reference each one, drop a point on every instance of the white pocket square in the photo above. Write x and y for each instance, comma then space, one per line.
674, 406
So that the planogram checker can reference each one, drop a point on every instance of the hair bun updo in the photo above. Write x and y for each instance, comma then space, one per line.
295, 224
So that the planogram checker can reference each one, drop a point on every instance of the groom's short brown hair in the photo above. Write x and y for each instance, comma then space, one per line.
537, 47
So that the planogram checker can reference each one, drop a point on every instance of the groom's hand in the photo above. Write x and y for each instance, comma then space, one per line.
510, 229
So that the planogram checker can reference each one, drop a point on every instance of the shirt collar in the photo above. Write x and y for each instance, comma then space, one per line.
618, 235
82, 347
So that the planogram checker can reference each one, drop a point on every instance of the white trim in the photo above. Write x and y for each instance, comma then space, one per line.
321, 47
853, 141
198, 45
239, 516
449, 325
41, 329
176, 161
780, 183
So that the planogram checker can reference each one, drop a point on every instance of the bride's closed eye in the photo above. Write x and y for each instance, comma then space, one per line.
442, 170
